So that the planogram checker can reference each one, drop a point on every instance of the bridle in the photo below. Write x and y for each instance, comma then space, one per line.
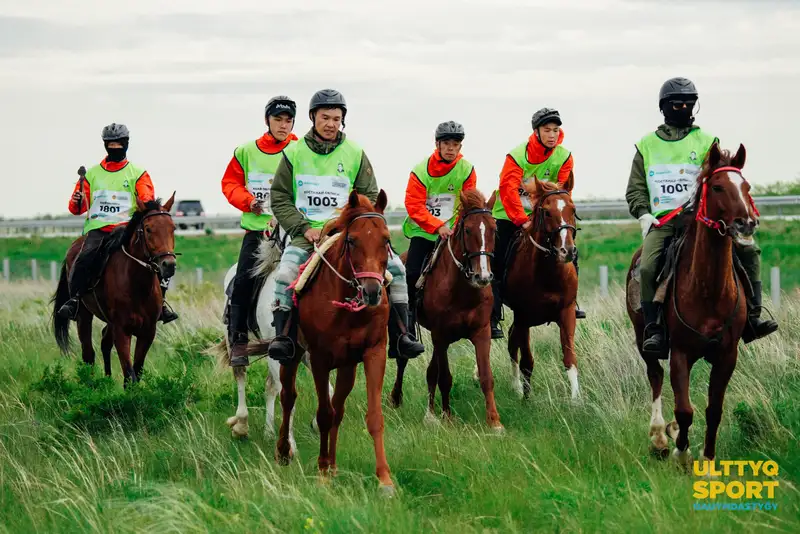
538, 214
719, 225
151, 260
465, 265
357, 303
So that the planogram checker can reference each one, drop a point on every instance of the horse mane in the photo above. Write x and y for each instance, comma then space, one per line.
473, 199
123, 234
268, 256
725, 158
348, 214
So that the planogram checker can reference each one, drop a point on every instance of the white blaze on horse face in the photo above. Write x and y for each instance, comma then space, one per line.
484, 262
561, 204
738, 182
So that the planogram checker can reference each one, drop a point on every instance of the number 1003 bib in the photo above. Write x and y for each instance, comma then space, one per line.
320, 198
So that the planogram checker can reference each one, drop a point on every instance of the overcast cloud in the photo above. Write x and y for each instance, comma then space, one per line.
190, 79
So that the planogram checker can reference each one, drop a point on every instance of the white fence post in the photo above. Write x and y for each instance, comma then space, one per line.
54, 271
604, 280
34, 270
199, 272
775, 286
7, 269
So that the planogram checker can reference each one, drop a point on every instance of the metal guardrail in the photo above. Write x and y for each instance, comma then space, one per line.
220, 222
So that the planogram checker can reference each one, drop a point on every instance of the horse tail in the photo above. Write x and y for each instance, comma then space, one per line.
60, 324
220, 353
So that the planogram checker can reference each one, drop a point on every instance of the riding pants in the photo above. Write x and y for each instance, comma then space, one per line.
418, 249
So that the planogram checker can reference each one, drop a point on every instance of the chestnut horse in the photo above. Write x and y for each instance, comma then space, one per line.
128, 295
343, 315
704, 308
541, 282
457, 304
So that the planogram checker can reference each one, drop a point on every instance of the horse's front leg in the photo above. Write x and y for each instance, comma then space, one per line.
721, 373
566, 325
482, 341
283, 449
238, 423
106, 344
325, 416
143, 343
85, 335
122, 342
374, 369
396, 397
345, 380
684, 413
272, 388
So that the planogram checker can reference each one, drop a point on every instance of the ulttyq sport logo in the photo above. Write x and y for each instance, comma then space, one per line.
735, 485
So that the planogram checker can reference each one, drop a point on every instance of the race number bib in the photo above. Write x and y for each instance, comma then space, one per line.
441, 206
670, 185
111, 206
259, 183
320, 198
524, 196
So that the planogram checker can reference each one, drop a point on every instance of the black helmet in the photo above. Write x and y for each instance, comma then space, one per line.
280, 104
544, 116
677, 87
115, 132
327, 98
450, 130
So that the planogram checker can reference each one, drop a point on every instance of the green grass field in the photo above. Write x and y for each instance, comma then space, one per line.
77, 453
599, 245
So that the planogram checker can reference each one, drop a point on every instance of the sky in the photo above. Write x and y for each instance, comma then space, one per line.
190, 79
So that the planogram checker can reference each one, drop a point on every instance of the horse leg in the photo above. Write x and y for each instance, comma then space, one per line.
679, 377
314, 426
396, 397
238, 423
143, 344
445, 378
374, 369
325, 416
482, 342
272, 388
513, 353
84, 321
122, 342
658, 437
566, 326
721, 373
106, 344
432, 377
283, 448
345, 380
523, 341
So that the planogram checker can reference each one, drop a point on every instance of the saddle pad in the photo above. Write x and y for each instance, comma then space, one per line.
310, 268
430, 263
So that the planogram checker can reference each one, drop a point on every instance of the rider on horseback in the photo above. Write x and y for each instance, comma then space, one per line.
432, 199
246, 185
108, 192
672, 157
542, 157
312, 184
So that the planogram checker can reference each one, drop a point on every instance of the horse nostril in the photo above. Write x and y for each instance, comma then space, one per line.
491, 276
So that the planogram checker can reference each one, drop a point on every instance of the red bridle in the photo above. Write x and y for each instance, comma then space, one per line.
702, 209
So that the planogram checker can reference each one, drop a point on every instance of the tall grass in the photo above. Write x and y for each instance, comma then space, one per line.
77, 453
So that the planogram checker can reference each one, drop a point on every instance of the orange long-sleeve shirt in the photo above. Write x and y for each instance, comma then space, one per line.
233, 181
417, 194
511, 177
144, 191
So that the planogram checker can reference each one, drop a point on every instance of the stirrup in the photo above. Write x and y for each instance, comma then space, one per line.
283, 360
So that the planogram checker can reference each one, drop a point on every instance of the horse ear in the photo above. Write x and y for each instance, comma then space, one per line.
353, 200
491, 201
168, 205
139, 203
714, 155
382, 202
570, 183
739, 158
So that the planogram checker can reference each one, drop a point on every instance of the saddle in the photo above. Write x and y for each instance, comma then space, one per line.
427, 266
112, 242
252, 321
511, 253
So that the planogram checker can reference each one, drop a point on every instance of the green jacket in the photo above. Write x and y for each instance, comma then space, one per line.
282, 192
637, 194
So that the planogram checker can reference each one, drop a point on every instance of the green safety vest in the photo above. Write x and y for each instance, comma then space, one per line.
113, 196
546, 171
671, 168
443, 196
322, 182
259, 170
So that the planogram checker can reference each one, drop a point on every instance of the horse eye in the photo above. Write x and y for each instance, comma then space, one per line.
717, 188
466, 231
546, 213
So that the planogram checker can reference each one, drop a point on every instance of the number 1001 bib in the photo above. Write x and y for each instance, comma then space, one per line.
110, 206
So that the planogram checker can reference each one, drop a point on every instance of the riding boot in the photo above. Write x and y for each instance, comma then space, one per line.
402, 342
579, 313
654, 343
283, 347
77, 286
167, 314
755, 327
237, 329
497, 311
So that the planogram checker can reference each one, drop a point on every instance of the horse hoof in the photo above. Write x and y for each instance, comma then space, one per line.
395, 402
498, 429
672, 430
239, 427
683, 459
430, 419
283, 459
387, 490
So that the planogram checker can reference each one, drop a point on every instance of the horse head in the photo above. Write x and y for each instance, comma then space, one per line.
722, 196
553, 217
366, 244
152, 225
475, 234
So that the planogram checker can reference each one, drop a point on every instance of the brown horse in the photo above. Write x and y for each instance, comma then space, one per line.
340, 337
541, 282
128, 295
457, 304
704, 308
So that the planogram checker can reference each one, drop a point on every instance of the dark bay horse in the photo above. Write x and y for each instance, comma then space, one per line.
541, 282
704, 308
457, 304
128, 295
344, 335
